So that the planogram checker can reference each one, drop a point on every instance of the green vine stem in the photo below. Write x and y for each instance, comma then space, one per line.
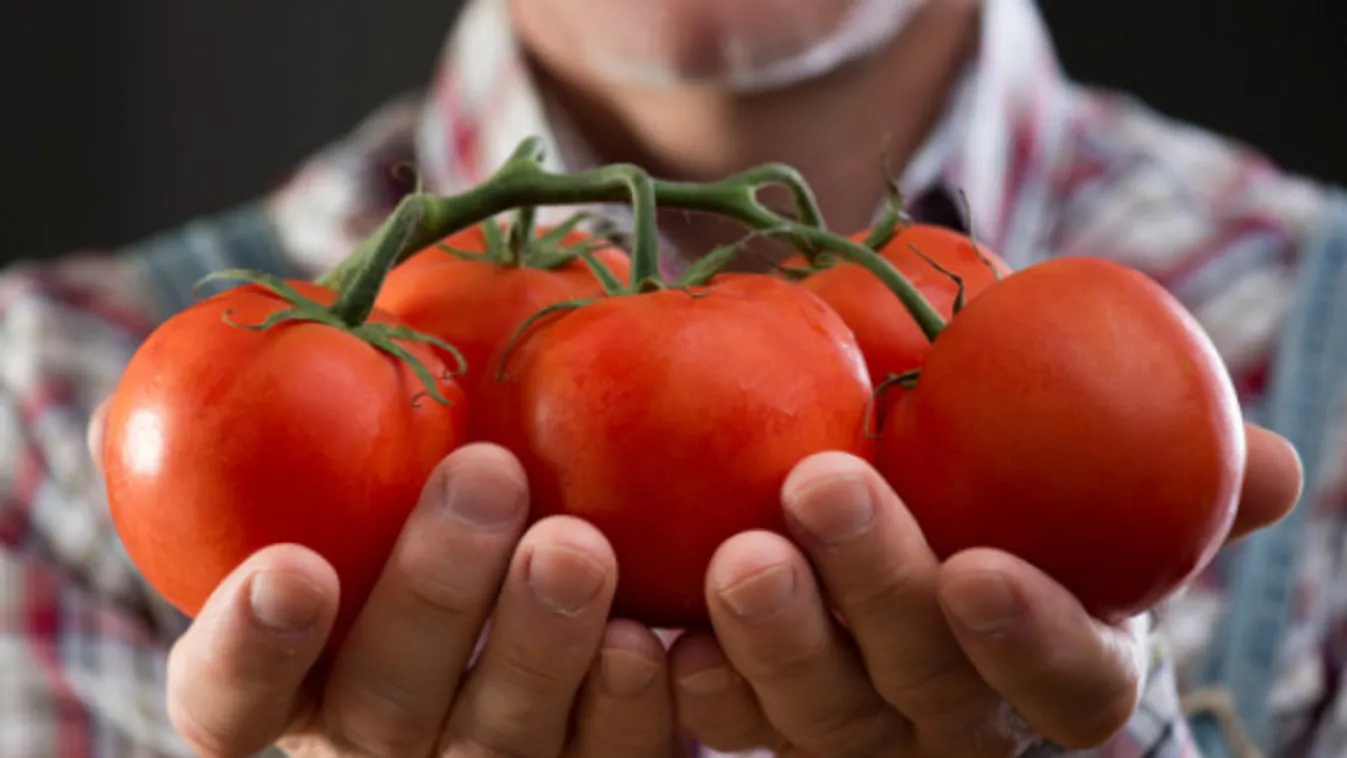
379, 253
521, 181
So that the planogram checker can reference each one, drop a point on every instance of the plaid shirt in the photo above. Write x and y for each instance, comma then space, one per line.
1050, 168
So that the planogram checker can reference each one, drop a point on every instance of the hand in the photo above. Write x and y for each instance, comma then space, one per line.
978, 656
553, 679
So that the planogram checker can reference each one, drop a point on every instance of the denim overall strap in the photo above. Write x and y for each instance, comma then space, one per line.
1310, 371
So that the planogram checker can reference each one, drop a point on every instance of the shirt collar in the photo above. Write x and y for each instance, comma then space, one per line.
996, 143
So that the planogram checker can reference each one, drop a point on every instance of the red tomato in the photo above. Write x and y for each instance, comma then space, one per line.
476, 305
222, 440
1074, 415
889, 338
670, 420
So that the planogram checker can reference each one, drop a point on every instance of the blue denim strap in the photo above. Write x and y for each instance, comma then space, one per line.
173, 261
1310, 371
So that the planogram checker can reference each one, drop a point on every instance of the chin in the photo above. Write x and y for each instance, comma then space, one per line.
738, 45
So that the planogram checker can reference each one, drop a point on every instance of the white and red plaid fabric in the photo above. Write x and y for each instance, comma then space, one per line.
1050, 168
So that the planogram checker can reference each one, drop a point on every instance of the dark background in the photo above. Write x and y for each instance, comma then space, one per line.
121, 117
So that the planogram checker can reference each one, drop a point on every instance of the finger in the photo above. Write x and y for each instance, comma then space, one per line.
546, 631
1273, 478
775, 629
881, 575
713, 702
235, 676
1073, 678
93, 435
625, 708
394, 679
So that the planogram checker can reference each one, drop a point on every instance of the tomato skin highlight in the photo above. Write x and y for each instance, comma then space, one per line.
1076, 416
670, 420
478, 305
889, 337
221, 440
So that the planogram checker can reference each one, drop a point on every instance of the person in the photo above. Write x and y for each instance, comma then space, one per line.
976, 656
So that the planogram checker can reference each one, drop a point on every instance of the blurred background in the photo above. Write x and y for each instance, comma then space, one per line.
121, 117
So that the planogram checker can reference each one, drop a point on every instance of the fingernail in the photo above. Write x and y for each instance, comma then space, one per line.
706, 682
284, 602
625, 673
984, 603
482, 496
834, 509
762, 594
563, 579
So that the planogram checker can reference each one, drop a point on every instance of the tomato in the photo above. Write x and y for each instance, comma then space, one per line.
221, 440
890, 339
670, 420
476, 305
1074, 415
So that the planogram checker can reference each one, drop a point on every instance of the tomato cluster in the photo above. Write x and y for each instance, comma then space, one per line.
1071, 413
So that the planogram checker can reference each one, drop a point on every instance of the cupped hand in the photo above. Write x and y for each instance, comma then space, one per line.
554, 677
891, 652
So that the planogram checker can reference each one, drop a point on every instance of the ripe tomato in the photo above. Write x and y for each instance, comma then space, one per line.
670, 420
221, 440
890, 339
476, 305
1074, 415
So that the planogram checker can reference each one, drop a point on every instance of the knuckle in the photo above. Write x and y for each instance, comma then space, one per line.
939, 684
207, 737
729, 737
541, 675
1097, 712
1098, 724
990, 727
789, 661
611, 725
446, 591
487, 743
190, 673
728, 721
899, 589
858, 732
379, 715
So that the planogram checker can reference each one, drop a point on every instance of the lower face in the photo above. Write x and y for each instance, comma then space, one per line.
744, 45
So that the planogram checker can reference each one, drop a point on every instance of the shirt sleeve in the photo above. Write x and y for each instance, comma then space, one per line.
82, 639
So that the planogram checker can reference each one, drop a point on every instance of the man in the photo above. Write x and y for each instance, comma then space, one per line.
980, 656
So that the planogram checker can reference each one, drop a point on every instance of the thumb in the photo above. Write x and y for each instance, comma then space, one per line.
1273, 479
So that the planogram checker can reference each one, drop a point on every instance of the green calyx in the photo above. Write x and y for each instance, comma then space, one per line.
355, 299
520, 243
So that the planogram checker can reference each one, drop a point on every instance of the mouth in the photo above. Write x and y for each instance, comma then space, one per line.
727, 44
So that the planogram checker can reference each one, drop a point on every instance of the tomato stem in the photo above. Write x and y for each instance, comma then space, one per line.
421, 220
521, 234
393, 240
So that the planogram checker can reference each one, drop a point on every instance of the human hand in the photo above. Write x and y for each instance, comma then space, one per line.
978, 656
554, 678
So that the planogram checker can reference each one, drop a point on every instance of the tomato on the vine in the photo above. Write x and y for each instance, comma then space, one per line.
1076, 416
224, 437
670, 419
475, 289
891, 340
